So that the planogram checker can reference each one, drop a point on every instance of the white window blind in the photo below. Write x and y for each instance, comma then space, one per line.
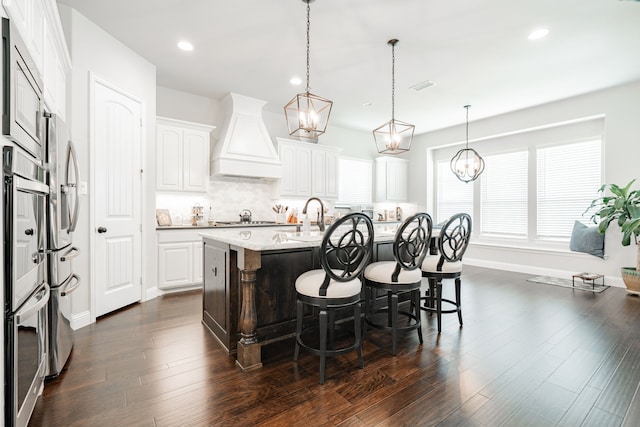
568, 178
355, 181
453, 195
503, 204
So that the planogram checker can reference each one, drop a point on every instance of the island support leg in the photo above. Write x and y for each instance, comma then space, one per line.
249, 349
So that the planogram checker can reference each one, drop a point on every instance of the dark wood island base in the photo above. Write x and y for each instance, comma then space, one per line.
249, 297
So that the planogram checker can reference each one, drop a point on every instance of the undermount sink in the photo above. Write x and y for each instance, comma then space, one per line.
314, 236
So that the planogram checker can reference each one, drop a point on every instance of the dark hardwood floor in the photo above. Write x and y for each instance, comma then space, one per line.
528, 355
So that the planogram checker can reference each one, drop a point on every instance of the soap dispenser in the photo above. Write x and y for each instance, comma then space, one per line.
210, 217
306, 226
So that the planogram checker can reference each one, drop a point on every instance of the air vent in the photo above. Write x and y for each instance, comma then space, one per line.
423, 85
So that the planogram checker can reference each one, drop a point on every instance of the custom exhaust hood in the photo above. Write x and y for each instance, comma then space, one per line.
245, 148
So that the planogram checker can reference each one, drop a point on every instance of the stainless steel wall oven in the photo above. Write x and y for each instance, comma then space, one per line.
25, 288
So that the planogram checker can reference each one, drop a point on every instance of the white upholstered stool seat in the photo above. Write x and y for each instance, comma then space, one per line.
309, 284
381, 271
430, 264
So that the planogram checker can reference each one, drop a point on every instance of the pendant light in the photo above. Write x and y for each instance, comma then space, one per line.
467, 164
393, 137
307, 114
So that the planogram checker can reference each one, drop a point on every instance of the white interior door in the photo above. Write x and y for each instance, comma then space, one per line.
117, 145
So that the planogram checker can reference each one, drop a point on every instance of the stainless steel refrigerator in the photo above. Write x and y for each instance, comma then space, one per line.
61, 216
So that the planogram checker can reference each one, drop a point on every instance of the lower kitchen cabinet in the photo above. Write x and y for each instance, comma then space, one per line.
179, 259
220, 299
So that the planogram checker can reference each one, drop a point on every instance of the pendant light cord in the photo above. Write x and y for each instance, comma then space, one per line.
308, 43
393, 79
467, 108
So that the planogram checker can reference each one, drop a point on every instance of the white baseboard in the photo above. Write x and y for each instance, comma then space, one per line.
177, 289
151, 293
80, 320
537, 271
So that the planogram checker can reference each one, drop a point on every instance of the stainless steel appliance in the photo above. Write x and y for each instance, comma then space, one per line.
25, 288
61, 218
22, 93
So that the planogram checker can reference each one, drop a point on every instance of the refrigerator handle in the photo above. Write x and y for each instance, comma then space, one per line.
67, 287
72, 160
70, 254
42, 297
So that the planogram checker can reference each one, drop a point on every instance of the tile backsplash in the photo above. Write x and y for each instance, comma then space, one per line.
228, 196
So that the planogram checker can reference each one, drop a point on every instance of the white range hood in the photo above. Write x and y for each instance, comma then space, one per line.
245, 148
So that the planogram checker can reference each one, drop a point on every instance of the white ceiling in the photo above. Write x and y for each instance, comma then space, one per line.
476, 51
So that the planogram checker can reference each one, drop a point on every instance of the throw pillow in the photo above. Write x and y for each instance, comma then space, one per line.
587, 239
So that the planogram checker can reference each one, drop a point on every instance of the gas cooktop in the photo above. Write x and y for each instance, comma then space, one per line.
245, 222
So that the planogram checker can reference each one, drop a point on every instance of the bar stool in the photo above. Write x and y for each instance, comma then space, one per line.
344, 253
447, 264
399, 276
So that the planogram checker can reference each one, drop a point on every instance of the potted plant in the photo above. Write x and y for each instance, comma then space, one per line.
623, 208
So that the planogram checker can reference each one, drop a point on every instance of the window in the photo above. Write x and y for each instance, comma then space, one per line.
503, 204
454, 196
536, 183
567, 179
356, 178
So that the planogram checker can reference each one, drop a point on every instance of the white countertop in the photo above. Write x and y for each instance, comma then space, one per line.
267, 239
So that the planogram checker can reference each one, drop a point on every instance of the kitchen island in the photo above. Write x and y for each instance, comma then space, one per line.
249, 297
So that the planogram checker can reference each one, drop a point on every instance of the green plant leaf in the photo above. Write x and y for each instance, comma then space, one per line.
603, 225
634, 211
617, 191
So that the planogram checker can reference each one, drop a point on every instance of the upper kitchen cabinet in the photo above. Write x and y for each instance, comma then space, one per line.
38, 23
391, 179
308, 169
182, 155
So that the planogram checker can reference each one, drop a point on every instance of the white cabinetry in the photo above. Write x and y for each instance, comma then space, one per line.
38, 23
391, 179
182, 155
296, 173
308, 169
179, 258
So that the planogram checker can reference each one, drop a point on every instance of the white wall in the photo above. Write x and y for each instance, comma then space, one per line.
620, 106
187, 106
94, 51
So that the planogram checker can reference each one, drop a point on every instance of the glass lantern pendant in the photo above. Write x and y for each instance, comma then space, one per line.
467, 164
393, 137
307, 114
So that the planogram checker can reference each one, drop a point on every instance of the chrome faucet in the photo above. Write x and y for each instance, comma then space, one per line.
320, 218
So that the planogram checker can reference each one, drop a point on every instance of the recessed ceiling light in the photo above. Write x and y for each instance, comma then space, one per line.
295, 81
185, 45
538, 34
422, 85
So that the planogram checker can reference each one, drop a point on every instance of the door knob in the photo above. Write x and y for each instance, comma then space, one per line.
102, 229
29, 231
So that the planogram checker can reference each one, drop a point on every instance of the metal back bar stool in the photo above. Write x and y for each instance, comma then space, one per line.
344, 253
401, 275
447, 264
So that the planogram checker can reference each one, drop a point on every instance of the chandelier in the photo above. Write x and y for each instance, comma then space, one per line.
393, 137
307, 114
467, 164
